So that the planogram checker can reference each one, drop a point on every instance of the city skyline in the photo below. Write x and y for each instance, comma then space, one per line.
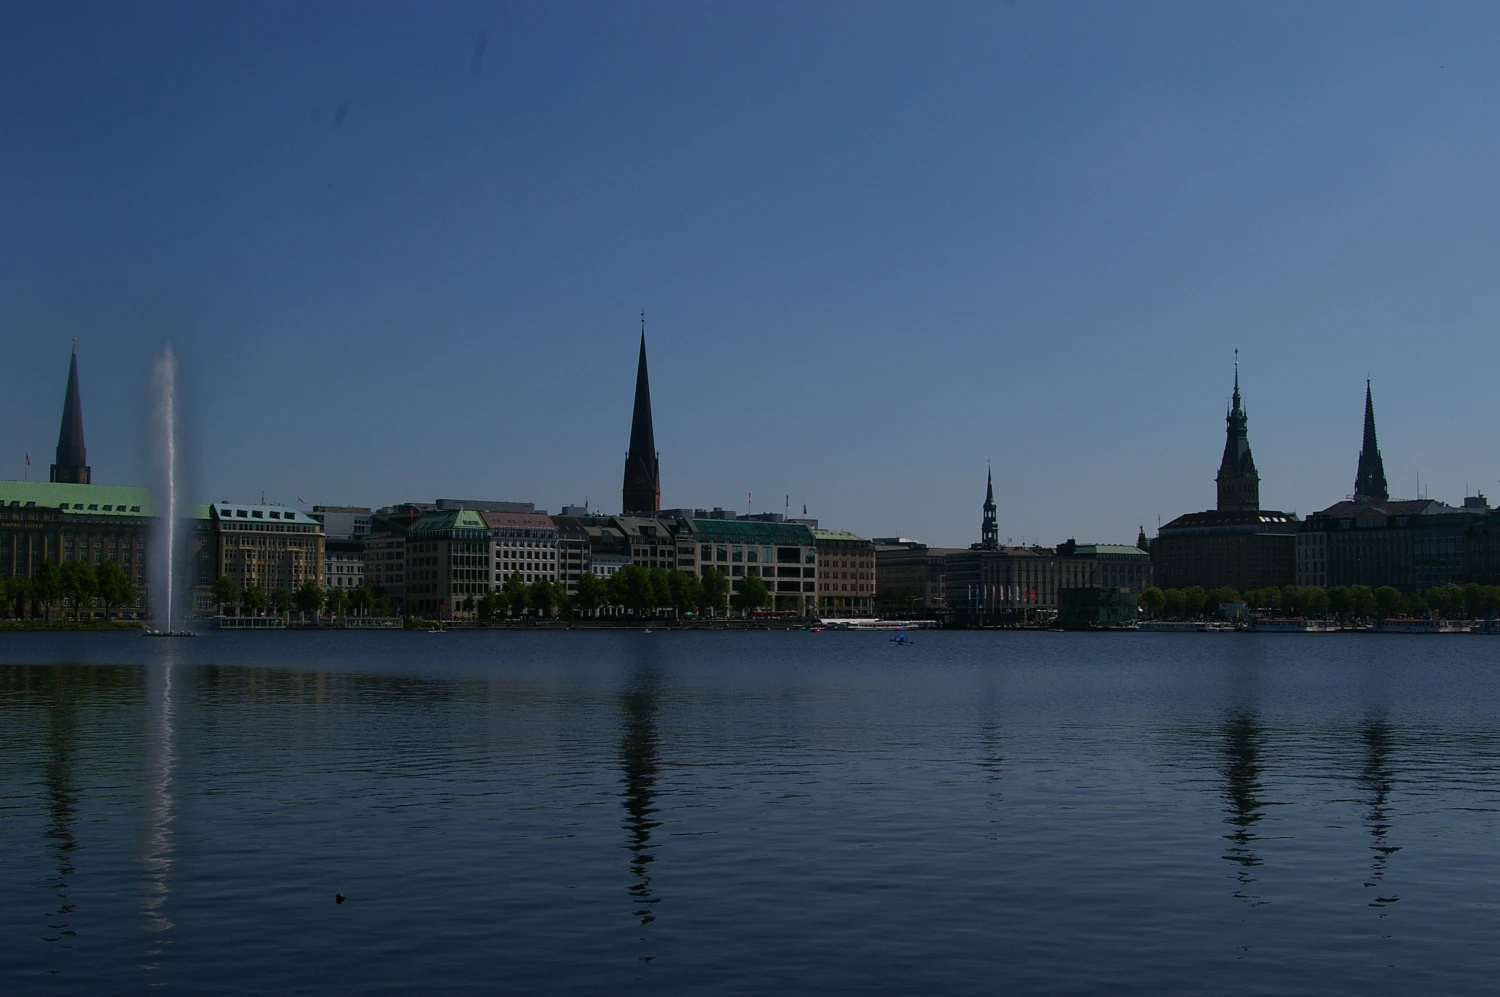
874, 254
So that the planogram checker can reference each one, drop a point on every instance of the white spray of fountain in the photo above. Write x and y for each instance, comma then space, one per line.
164, 433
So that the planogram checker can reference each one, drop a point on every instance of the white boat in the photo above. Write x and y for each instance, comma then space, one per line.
1181, 626
1279, 626
1417, 626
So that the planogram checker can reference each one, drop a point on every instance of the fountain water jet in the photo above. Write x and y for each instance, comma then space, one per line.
165, 567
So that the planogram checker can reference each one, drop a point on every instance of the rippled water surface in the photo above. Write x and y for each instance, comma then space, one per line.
690, 812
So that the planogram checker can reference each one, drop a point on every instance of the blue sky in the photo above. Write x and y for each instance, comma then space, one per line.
877, 245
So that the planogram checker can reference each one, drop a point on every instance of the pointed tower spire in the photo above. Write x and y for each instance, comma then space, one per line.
72, 460
989, 529
642, 488
1369, 478
1239, 485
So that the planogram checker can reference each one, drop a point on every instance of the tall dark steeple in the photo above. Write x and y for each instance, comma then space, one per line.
642, 490
1369, 480
989, 530
1239, 485
72, 463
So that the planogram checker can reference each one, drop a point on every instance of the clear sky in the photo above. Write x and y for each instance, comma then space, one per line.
402, 248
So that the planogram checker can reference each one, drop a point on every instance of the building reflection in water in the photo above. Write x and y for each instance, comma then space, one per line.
1242, 794
62, 803
639, 703
157, 846
1375, 781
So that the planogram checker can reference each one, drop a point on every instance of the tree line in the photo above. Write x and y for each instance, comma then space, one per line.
1344, 601
631, 589
309, 599
75, 583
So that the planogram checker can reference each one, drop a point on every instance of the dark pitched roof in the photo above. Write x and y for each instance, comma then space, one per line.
1214, 518
1405, 507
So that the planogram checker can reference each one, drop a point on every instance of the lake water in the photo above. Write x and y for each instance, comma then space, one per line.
692, 812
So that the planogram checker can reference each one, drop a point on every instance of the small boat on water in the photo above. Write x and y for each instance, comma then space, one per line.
1398, 625
902, 639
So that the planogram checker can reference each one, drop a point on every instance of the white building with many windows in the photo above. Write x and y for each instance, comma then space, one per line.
523, 543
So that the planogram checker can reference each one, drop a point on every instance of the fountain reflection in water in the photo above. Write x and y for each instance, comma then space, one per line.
157, 847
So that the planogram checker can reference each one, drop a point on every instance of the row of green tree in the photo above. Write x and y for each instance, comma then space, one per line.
632, 589
308, 599
1344, 601
74, 583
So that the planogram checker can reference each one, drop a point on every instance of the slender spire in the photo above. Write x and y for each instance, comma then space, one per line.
72, 459
1369, 479
989, 529
642, 488
1239, 485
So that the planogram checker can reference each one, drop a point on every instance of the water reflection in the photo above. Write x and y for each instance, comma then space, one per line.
1375, 780
60, 779
157, 846
639, 759
1242, 789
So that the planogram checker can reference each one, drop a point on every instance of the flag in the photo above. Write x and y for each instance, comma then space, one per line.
804, 508
301, 501
28, 458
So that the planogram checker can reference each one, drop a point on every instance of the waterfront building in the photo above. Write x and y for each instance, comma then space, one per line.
523, 543
784, 555
1238, 544
448, 562
60, 521
572, 550
346, 531
1413, 545
641, 492
910, 576
1482, 553
264, 545
1371, 540
651, 542
846, 573
990, 581
604, 565
385, 565
1009, 582
343, 562
70, 517
1113, 566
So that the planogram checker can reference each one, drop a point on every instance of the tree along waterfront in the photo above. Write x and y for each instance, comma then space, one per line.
1345, 602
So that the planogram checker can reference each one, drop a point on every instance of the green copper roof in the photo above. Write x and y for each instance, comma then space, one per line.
454, 519
84, 500
1119, 549
837, 535
739, 531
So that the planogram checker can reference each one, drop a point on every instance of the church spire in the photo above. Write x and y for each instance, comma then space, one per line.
642, 488
1369, 479
1239, 485
989, 529
72, 461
